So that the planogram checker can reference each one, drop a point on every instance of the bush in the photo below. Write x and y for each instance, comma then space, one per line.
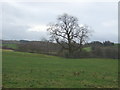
76, 54
106, 52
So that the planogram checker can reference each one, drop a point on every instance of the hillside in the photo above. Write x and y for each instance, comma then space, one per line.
28, 70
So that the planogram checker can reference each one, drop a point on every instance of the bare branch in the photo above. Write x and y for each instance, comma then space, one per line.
68, 31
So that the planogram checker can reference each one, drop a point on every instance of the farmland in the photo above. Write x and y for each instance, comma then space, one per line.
30, 70
12, 46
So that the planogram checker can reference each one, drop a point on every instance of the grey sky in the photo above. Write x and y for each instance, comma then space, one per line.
28, 20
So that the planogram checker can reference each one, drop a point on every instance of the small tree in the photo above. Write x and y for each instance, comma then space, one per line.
68, 33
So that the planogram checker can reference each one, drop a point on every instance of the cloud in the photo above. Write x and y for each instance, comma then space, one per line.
27, 20
59, 0
109, 24
37, 28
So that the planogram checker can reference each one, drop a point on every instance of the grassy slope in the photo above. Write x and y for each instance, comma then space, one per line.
14, 46
88, 49
0, 68
34, 70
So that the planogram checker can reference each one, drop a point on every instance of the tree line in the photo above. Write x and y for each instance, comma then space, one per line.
98, 49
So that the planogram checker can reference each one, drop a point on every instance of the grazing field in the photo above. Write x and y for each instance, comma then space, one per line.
13, 46
88, 49
29, 70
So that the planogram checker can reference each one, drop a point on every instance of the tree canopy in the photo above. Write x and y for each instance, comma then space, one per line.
68, 33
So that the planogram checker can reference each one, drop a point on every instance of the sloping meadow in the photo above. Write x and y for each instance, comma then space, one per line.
29, 70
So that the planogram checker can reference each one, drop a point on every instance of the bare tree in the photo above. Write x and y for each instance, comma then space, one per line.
68, 33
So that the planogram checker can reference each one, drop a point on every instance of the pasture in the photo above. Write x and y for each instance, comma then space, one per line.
10, 45
29, 70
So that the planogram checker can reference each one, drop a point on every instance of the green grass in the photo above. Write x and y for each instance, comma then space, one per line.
27, 70
88, 49
13, 46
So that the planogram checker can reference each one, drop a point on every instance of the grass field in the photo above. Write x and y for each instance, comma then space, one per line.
13, 46
28, 70
88, 49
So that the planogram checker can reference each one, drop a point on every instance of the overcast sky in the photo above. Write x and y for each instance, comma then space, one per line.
28, 20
